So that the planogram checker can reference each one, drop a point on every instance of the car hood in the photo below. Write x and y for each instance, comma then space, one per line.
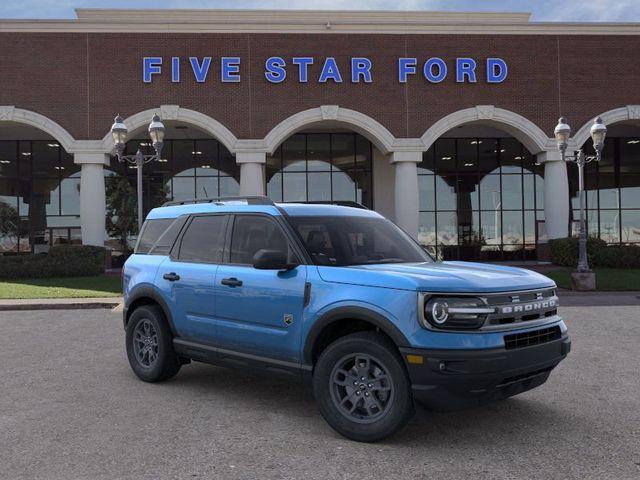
438, 277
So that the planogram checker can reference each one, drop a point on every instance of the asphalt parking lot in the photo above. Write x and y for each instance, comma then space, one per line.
70, 408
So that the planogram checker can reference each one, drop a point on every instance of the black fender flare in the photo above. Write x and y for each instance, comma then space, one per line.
151, 293
351, 313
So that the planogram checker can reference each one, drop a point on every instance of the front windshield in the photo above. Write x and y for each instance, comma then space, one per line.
342, 241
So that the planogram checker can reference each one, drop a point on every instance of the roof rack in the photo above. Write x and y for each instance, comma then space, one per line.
341, 203
251, 200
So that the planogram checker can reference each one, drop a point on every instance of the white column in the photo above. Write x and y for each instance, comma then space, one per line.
383, 185
251, 172
92, 197
406, 190
556, 194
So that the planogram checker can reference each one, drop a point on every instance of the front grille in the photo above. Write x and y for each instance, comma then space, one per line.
534, 337
521, 307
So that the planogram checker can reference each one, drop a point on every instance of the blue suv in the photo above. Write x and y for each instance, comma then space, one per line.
340, 297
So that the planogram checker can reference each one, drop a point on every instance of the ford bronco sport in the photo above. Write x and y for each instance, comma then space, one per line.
338, 296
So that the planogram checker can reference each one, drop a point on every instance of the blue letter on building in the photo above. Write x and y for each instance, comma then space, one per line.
230, 71
275, 69
200, 71
406, 66
428, 70
330, 71
303, 65
496, 70
465, 67
150, 66
360, 66
175, 69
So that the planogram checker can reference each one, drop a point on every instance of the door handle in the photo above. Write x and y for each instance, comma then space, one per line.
231, 282
172, 277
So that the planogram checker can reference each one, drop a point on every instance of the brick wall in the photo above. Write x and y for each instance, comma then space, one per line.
82, 80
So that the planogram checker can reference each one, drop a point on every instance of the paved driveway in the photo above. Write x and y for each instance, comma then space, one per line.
71, 408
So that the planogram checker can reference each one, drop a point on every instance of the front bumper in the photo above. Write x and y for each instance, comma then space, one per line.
455, 379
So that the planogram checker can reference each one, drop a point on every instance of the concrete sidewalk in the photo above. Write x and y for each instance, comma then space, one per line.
59, 303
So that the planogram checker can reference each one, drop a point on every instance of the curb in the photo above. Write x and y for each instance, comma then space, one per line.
8, 307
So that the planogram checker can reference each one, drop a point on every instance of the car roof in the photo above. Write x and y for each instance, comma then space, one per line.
317, 209
292, 209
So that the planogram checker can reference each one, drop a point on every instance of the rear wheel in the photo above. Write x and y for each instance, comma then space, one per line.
150, 345
362, 388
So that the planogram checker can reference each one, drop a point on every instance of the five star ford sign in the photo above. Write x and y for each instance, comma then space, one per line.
361, 69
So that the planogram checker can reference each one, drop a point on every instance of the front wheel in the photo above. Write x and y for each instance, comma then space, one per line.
362, 388
150, 345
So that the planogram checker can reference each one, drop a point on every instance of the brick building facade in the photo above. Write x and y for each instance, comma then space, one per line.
63, 81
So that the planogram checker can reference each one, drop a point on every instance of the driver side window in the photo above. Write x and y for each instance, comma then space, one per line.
252, 233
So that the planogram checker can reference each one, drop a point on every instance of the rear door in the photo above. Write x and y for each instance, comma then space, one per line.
188, 276
259, 311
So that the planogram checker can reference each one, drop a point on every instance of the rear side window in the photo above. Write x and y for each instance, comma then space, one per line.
168, 238
151, 232
203, 241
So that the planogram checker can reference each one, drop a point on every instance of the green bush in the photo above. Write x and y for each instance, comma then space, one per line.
564, 251
618, 256
61, 261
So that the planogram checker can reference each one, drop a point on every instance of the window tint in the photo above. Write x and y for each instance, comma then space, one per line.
167, 239
342, 241
253, 233
204, 239
151, 231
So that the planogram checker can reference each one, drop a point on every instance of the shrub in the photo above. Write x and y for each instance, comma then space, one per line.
564, 251
618, 256
61, 261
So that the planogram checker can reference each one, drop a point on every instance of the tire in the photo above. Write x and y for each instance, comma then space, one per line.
384, 403
149, 345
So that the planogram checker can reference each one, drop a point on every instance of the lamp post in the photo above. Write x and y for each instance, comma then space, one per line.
119, 133
562, 133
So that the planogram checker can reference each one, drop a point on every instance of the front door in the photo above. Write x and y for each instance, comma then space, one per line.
188, 277
259, 311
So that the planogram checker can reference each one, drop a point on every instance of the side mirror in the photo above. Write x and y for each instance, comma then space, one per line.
271, 260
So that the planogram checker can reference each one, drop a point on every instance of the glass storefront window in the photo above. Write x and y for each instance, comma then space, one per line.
39, 195
321, 167
196, 168
479, 199
612, 189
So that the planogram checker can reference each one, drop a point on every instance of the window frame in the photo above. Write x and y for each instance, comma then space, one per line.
177, 245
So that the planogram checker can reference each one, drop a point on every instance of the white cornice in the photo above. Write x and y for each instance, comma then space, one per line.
296, 16
302, 21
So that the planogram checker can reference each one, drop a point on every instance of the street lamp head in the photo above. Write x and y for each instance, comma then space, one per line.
119, 133
598, 132
562, 133
156, 132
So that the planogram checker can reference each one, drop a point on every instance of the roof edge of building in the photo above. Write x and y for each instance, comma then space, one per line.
311, 22
261, 16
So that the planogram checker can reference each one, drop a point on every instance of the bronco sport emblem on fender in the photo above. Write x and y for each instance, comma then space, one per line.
288, 318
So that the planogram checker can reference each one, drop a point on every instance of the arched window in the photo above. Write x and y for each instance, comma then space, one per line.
321, 167
480, 198
39, 195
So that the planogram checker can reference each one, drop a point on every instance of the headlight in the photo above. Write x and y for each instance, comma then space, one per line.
455, 312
